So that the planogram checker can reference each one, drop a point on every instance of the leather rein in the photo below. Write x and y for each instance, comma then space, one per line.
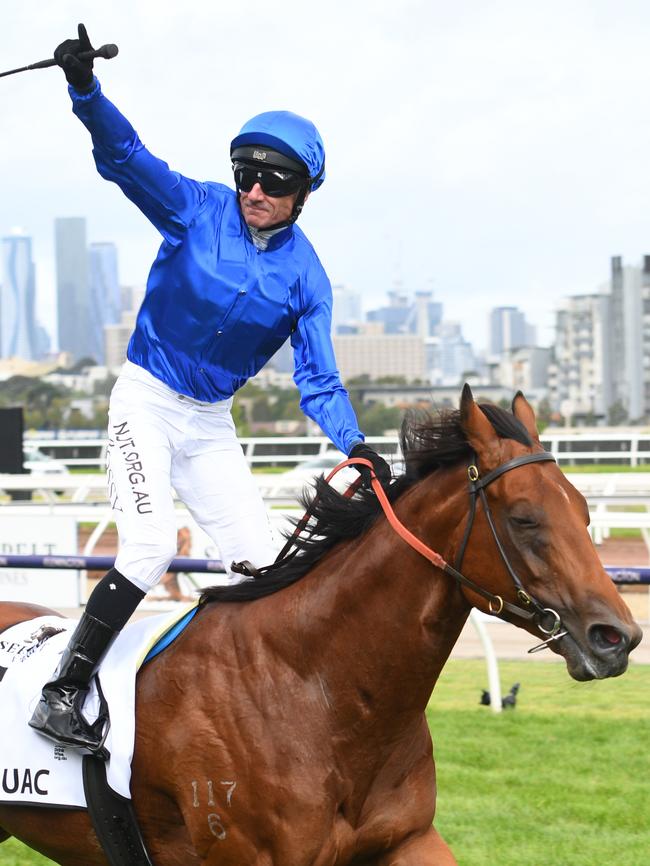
545, 618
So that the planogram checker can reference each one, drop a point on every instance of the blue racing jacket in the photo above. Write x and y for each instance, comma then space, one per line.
217, 308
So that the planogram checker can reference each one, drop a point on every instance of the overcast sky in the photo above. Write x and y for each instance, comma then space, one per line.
492, 152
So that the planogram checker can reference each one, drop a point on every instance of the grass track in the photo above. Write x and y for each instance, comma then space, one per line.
561, 780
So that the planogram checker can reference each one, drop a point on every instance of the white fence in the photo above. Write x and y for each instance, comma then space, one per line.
627, 446
616, 500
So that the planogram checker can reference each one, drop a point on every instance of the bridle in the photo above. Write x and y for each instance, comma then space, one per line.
532, 609
546, 619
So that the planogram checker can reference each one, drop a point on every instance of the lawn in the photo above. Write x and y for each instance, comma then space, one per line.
593, 468
561, 780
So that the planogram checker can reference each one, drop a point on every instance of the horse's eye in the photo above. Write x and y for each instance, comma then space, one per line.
524, 521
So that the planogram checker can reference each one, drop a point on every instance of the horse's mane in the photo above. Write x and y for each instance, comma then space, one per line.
429, 441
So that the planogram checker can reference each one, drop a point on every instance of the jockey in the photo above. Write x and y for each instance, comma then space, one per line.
233, 280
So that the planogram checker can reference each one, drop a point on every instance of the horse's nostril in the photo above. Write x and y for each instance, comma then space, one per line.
606, 637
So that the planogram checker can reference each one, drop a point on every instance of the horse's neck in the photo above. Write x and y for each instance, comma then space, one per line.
375, 619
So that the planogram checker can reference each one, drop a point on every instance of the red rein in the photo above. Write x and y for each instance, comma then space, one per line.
399, 527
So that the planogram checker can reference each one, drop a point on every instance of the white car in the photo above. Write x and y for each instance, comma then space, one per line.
35, 460
291, 484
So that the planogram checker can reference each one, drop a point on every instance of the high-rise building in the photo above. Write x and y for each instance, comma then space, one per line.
394, 316
426, 315
18, 328
420, 316
117, 336
381, 355
580, 377
630, 336
72, 289
104, 294
346, 308
450, 357
116, 340
525, 369
508, 330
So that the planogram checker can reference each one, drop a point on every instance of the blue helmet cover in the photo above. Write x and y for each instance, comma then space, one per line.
290, 134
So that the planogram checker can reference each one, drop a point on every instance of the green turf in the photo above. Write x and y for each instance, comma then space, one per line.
561, 780
12, 853
593, 468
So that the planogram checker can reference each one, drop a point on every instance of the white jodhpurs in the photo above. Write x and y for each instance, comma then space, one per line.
159, 440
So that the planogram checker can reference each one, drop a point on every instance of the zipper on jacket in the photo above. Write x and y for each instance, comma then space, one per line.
240, 294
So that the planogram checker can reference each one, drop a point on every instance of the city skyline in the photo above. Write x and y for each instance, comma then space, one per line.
104, 254
597, 368
494, 154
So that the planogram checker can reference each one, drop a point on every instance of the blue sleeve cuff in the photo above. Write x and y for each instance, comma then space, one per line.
85, 95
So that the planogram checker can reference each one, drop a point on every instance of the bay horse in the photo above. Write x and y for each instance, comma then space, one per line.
286, 725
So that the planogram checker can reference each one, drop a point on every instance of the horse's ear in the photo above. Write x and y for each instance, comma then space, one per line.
479, 432
523, 411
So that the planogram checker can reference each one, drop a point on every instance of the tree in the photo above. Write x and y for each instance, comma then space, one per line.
261, 409
28, 391
103, 387
617, 414
239, 417
82, 364
543, 414
391, 380
362, 379
376, 419
54, 414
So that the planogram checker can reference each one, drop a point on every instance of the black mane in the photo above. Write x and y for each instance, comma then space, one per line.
428, 441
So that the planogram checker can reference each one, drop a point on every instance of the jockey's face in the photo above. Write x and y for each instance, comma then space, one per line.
262, 211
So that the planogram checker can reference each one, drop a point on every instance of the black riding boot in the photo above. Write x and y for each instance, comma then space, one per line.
58, 714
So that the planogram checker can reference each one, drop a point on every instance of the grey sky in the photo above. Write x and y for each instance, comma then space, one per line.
494, 152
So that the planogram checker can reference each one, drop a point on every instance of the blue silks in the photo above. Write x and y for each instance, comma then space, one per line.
217, 308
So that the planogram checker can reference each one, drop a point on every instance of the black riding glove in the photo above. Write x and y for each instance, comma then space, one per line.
78, 72
382, 469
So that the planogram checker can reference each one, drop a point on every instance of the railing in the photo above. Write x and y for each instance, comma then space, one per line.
620, 489
616, 500
629, 447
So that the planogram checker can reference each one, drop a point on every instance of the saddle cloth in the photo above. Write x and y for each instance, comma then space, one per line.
36, 770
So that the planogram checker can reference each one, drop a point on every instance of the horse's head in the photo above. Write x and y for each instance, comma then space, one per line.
540, 520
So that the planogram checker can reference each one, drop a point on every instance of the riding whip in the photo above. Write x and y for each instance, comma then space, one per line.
106, 51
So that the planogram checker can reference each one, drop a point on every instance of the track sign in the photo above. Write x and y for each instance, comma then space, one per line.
39, 536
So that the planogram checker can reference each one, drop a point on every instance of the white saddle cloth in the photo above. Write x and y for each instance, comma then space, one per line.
36, 770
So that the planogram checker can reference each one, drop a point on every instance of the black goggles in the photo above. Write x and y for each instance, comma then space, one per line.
274, 182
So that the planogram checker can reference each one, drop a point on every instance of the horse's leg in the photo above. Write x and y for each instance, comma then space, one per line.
430, 849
